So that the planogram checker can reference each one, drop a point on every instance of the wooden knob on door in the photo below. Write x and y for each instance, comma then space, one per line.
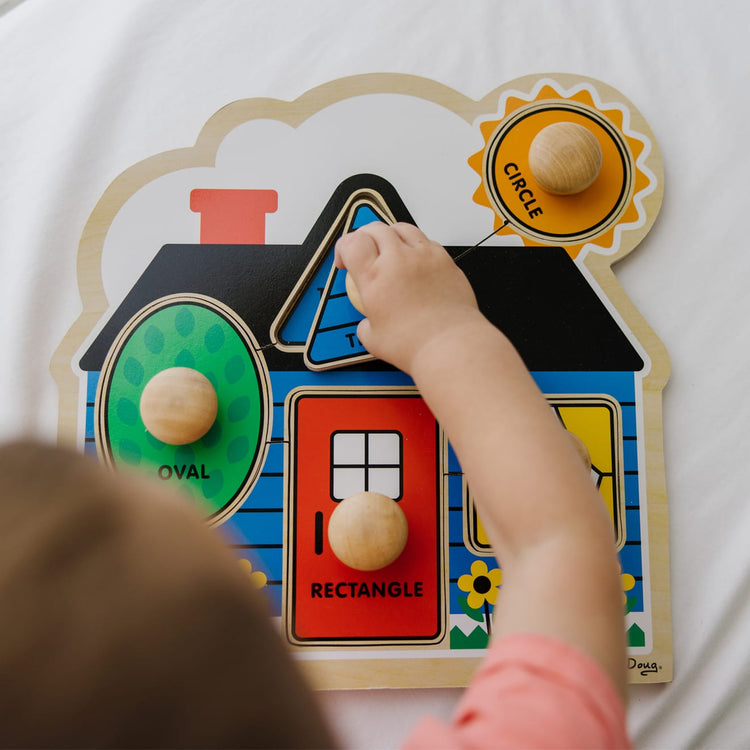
367, 531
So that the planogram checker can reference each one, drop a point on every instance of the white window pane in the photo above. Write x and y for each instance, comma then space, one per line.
385, 448
348, 448
347, 482
385, 481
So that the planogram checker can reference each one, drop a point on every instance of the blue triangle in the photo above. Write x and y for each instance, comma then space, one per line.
364, 215
334, 339
297, 326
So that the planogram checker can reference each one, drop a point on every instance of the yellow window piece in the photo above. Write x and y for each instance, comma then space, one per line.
596, 421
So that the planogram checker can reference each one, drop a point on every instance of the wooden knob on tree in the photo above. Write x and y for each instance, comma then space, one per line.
178, 406
353, 293
367, 531
565, 158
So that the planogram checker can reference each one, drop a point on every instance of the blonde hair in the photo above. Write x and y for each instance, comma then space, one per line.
125, 622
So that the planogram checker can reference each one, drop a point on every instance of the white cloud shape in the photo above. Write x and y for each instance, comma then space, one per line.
420, 147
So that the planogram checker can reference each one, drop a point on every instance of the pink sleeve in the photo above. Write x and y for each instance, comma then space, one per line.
531, 692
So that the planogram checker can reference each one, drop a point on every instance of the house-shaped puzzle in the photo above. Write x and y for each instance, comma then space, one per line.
306, 417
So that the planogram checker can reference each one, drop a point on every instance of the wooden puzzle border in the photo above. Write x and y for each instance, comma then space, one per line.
456, 669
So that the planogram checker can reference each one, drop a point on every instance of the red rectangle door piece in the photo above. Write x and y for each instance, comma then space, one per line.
343, 442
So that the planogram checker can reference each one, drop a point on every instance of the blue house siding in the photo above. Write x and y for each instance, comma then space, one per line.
622, 387
255, 531
92, 381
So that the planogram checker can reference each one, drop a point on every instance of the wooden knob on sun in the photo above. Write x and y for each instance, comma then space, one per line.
565, 158
367, 531
178, 406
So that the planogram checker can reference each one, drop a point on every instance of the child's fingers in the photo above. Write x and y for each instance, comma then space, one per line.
382, 235
384, 238
409, 233
356, 251
363, 332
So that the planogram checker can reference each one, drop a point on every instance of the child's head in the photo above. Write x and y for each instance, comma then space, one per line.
124, 621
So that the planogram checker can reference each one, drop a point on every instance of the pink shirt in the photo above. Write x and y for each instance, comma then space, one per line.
531, 692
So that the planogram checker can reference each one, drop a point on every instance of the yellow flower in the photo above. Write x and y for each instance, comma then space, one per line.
481, 584
257, 577
628, 582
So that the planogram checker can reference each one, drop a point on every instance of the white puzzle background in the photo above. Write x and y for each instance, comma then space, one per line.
88, 89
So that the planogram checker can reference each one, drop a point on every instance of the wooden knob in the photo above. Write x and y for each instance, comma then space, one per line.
178, 406
565, 158
353, 293
367, 531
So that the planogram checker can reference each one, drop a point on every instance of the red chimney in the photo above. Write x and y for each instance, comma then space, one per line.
233, 217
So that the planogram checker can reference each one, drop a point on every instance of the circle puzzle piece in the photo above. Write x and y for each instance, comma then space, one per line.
564, 166
184, 394
535, 212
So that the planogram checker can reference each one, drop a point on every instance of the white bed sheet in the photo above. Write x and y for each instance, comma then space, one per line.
88, 88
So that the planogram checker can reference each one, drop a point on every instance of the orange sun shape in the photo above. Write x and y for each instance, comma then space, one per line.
599, 214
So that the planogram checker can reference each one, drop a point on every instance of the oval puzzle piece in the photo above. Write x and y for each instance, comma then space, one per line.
199, 335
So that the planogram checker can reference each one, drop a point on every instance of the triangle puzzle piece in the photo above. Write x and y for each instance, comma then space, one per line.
332, 341
317, 317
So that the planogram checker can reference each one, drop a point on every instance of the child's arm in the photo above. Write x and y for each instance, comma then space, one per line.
543, 516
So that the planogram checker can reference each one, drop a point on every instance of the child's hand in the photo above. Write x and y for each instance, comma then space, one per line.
412, 292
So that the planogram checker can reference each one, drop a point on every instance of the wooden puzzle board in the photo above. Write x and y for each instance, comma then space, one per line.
218, 257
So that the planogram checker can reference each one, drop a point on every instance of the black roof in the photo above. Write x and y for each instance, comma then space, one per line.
536, 295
